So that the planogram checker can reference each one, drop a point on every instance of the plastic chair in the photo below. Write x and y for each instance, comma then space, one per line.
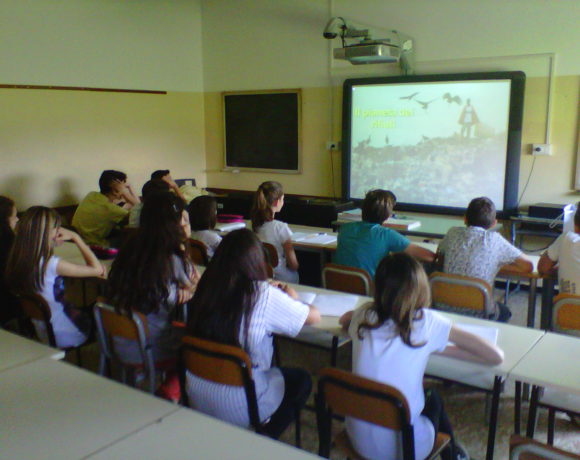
463, 292
347, 279
527, 449
111, 325
36, 308
565, 320
198, 252
347, 394
223, 364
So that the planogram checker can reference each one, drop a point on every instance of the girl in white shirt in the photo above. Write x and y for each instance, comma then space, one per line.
269, 200
235, 305
32, 268
203, 217
392, 340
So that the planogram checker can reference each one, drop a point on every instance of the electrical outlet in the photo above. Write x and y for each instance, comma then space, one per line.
332, 145
541, 149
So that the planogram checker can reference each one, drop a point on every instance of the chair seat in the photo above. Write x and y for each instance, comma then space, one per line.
312, 336
561, 400
342, 441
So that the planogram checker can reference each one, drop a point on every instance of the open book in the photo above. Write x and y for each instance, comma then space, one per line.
313, 238
330, 304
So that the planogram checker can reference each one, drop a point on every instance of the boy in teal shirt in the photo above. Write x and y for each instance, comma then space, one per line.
363, 244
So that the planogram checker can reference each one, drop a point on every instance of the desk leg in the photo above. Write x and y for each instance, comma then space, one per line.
532, 302
532, 414
547, 303
518, 407
493, 418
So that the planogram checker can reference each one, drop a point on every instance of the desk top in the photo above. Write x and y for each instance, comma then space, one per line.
552, 362
17, 351
53, 410
190, 434
71, 253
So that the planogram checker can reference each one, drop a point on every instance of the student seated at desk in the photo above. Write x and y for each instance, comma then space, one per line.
203, 217
393, 338
563, 256
100, 212
234, 304
363, 244
32, 268
165, 176
152, 274
269, 200
479, 252
150, 187
8, 220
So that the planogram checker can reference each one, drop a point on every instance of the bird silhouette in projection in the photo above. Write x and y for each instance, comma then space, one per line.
425, 105
409, 97
451, 99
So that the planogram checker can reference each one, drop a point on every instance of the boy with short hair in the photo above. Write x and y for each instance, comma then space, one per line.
363, 244
99, 212
479, 252
165, 175
563, 256
151, 187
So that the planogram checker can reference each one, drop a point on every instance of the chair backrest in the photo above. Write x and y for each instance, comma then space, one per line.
566, 314
219, 363
462, 292
527, 449
36, 308
198, 252
111, 324
347, 279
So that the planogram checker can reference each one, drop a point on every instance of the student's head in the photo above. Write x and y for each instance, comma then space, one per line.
202, 213
154, 186
480, 213
268, 200
401, 292
378, 206
160, 174
33, 245
227, 290
164, 217
109, 178
8, 217
144, 270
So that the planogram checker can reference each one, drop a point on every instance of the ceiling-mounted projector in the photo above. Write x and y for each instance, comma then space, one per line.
359, 45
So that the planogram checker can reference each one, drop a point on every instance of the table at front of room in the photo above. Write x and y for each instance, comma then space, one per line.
515, 341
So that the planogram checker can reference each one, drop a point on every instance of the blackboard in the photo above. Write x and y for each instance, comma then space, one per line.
262, 130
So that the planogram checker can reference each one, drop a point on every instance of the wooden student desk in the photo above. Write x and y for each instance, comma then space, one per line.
190, 434
17, 351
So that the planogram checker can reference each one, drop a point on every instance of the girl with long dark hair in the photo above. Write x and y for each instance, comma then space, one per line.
33, 268
392, 339
152, 274
8, 220
234, 304
269, 200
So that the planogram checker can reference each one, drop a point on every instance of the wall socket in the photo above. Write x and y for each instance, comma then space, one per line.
332, 145
541, 149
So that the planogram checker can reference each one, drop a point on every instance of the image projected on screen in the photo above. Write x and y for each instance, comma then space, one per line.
436, 143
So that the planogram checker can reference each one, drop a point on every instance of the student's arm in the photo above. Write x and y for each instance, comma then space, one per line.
313, 313
291, 260
173, 186
131, 199
547, 266
93, 267
345, 320
521, 264
420, 253
471, 347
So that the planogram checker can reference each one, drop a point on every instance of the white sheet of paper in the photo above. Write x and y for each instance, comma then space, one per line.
486, 332
306, 297
320, 239
230, 226
299, 236
335, 304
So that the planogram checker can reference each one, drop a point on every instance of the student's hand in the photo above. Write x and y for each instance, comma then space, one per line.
290, 291
103, 274
170, 182
64, 234
345, 320
184, 295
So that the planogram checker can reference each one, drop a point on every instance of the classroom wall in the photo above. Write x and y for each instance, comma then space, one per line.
54, 144
268, 45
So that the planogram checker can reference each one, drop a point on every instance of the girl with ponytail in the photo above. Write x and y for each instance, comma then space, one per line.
269, 200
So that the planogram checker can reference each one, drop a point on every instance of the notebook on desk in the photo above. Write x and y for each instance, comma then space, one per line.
330, 304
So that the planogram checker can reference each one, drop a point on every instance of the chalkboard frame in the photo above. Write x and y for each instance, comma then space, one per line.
293, 139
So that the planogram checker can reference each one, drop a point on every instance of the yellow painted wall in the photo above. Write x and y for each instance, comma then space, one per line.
54, 144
